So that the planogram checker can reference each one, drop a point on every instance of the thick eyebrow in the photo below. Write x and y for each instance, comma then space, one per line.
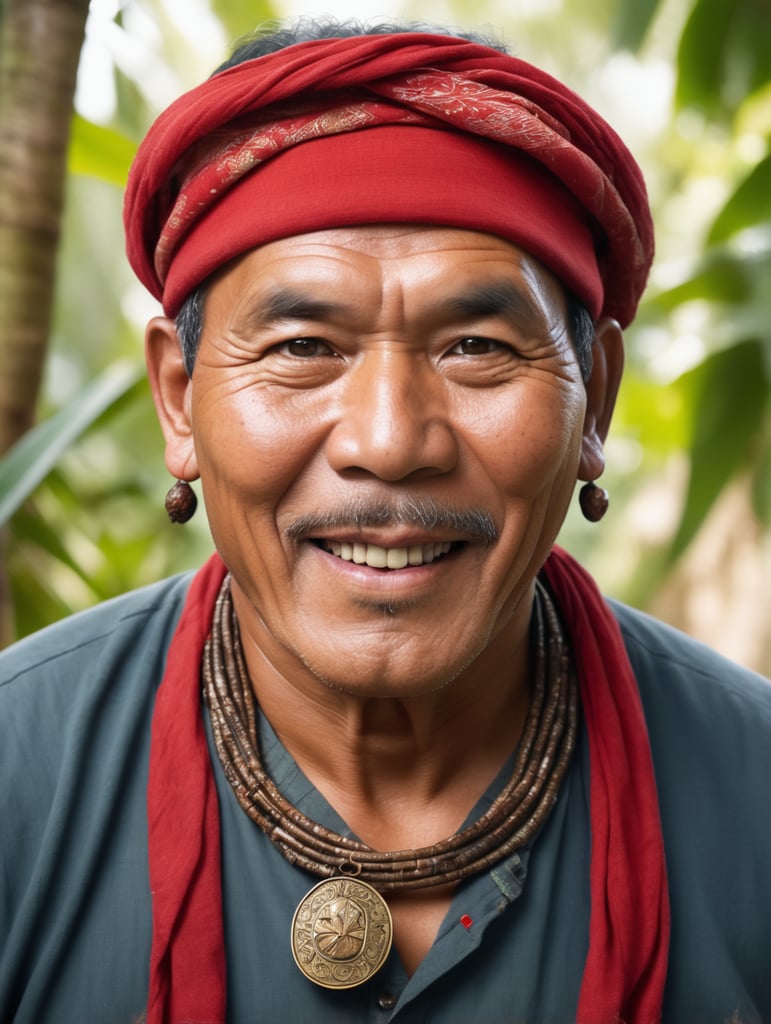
288, 304
499, 298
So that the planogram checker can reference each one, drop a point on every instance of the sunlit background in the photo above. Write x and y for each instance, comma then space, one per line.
689, 457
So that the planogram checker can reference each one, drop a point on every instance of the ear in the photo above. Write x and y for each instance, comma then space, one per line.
601, 391
171, 389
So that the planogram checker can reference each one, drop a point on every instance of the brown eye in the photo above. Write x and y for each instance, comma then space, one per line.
306, 348
476, 347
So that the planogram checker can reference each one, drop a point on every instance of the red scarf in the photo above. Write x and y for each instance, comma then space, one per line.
626, 964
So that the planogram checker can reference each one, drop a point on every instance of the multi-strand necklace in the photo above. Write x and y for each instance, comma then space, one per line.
342, 930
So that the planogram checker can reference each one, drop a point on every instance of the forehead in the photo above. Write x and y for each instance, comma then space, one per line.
381, 259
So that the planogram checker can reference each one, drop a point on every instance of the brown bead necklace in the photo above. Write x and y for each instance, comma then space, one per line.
342, 930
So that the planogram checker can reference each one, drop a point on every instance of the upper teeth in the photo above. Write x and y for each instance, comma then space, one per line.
378, 557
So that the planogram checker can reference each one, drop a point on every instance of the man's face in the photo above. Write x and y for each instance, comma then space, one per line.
388, 427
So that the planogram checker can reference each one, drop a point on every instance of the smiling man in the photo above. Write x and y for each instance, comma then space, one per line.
388, 756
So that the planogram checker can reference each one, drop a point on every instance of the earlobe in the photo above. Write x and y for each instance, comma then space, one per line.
171, 388
601, 391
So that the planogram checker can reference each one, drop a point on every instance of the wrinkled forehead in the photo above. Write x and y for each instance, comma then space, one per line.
407, 275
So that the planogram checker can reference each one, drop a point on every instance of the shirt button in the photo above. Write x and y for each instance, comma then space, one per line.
386, 1001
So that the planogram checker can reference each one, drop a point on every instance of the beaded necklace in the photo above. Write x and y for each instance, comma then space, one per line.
342, 930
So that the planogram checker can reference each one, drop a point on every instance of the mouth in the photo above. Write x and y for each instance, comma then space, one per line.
377, 557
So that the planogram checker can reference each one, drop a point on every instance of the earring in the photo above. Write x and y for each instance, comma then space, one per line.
181, 502
593, 501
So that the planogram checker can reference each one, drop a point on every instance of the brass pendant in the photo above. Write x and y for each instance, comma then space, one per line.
341, 933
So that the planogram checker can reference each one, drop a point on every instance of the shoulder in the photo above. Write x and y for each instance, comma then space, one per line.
76, 702
675, 672
97, 637
709, 723
102, 665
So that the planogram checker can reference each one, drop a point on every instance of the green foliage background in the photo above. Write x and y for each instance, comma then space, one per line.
688, 84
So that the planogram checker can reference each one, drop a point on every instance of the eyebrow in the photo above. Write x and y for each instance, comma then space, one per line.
288, 304
499, 298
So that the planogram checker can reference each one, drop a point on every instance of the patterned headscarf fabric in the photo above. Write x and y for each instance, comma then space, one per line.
403, 128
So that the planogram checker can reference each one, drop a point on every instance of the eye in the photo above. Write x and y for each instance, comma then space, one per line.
305, 348
476, 346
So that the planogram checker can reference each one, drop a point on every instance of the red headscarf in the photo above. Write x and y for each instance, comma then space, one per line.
405, 128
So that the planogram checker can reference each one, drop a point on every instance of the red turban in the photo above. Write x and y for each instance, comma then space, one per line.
405, 128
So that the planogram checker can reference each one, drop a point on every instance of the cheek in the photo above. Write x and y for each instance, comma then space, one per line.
530, 435
251, 439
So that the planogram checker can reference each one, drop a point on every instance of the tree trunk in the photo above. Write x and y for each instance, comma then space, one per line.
40, 43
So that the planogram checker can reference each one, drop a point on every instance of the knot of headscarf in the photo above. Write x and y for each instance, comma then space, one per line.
404, 128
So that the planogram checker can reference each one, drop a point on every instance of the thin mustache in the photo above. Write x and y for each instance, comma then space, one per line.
474, 523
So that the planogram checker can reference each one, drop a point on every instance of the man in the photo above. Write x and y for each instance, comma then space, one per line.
434, 775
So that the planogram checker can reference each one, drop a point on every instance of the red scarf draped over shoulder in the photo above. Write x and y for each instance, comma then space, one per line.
626, 965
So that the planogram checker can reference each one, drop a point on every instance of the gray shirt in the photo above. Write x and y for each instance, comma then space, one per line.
75, 910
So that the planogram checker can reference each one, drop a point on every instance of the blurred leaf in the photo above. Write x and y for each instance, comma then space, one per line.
36, 602
761, 485
240, 19
750, 204
34, 455
724, 54
731, 390
656, 415
720, 277
754, 40
29, 527
99, 152
633, 20
702, 54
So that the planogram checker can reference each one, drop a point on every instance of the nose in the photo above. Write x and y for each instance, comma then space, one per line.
394, 421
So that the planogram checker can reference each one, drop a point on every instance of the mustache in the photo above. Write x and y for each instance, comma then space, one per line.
476, 524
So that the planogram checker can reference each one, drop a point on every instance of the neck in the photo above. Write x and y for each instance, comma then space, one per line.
401, 771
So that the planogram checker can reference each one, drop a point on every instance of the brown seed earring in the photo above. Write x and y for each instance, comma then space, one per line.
181, 502
593, 501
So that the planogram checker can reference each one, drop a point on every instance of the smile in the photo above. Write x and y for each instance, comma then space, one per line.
377, 557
